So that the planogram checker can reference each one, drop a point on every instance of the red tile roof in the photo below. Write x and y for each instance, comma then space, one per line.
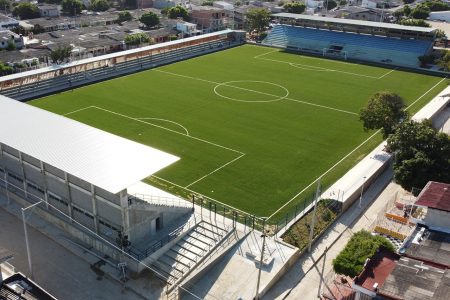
435, 195
377, 269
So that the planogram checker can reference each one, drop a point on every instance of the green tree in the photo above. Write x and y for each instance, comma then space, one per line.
362, 245
5, 69
61, 54
384, 111
5, 5
258, 19
408, 1
426, 60
178, 12
444, 61
331, 4
150, 19
26, 10
72, 7
420, 12
414, 22
440, 34
436, 5
421, 154
99, 5
208, 3
342, 2
124, 16
407, 10
295, 7
137, 39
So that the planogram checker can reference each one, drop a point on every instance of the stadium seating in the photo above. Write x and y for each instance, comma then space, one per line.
395, 51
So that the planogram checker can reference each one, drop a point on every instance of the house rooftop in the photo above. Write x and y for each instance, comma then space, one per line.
377, 269
21, 288
429, 246
411, 279
435, 195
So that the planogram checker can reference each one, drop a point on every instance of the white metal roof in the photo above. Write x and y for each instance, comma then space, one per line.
103, 159
356, 22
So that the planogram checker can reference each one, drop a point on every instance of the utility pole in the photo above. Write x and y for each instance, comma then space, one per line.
261, 258
313, 220
27, 244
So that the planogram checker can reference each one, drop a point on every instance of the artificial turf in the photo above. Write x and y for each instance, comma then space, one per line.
253, 126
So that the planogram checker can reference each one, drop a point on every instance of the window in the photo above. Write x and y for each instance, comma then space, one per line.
16, 177
82, 211
35, 187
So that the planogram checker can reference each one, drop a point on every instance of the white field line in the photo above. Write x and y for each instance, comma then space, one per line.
320, 69
212, 172
311, 58
259, 92
299, 193
194, 192
165, 120
423, 95
140, 120
322, 106
171, 130
75, 111
325, 173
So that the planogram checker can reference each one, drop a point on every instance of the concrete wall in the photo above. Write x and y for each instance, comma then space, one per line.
437, 219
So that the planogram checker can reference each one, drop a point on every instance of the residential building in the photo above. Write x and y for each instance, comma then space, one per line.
48, 11
10, 38
435, 199
7, 22
210, 19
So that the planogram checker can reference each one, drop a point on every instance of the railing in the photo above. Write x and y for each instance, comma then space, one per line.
137, 199
141, 254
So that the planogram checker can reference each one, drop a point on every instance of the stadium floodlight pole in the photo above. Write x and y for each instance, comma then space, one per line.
261, 258
27, 244
313, 220
362, 191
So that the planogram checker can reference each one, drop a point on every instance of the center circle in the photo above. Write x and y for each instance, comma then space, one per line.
272, 99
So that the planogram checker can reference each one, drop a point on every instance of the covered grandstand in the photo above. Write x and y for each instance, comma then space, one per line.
382, 43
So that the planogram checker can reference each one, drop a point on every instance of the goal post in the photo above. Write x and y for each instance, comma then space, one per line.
333, 52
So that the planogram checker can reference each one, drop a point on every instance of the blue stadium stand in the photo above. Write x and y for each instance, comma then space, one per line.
351, 45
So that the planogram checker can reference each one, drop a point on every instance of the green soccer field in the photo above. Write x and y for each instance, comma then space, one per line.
253, 126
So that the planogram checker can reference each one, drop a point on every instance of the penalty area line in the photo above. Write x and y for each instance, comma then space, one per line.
214, 171
78, 110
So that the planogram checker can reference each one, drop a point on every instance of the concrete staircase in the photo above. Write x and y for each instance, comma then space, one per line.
190, 251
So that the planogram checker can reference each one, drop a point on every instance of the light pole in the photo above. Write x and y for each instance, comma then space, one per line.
362, 190
27, 244
261, 258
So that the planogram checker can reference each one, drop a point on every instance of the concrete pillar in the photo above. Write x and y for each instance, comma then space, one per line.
23, 176
69, 196
44, 176
125, 214
94, 208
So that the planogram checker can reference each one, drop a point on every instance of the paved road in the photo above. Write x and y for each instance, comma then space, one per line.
56, 269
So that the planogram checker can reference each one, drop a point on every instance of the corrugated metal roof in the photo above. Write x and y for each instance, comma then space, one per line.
357, 22
435, 195
103, 159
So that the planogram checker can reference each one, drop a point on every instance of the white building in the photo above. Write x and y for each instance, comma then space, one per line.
435, 197
440, 16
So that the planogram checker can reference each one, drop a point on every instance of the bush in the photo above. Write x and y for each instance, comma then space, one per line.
350, 261
208, 3
137, 39
149, 19
124, 16
425, 60
72, 7
178, 12
414, 22
99, 5
26, 10
295, 7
